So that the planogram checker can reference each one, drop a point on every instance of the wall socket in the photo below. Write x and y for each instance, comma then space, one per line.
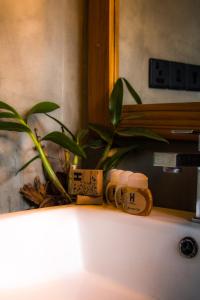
165, 74
176, 76
158, 73
192, 78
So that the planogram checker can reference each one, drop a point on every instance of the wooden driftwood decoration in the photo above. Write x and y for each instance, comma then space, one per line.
37, 194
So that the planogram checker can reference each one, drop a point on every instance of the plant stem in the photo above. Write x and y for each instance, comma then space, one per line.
47, 166
104, 156
76, 160
62, 126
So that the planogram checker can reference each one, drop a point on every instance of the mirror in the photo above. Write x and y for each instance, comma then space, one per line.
166, 30
104, 61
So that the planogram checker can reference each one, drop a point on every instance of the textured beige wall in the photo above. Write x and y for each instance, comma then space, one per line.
41, 46
167, 29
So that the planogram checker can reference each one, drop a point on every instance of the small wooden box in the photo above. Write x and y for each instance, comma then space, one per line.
86, 182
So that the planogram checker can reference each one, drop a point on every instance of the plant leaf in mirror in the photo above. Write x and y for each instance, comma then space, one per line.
115, 102
131, 90
96, 144
140, 132
119, 153
42, 107
11, 126
64, 141
104, 132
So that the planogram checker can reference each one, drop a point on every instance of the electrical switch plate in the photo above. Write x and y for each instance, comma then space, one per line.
193, 78
158, 73
177, 76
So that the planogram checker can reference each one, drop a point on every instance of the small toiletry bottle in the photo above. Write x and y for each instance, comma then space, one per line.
110, 188
137, 198
108, 177
123, 182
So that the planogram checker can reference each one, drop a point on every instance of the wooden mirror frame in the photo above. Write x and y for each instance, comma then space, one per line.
103, 62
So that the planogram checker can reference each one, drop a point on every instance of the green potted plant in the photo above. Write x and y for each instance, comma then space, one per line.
108, 139
109, 136
20, 124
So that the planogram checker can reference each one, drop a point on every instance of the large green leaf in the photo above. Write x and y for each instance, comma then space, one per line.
63, 140
27, 163
42, 107
104, 132
115, 102
131, 90
62, 125
11, 126
118, 155
140, 132
7, 115
6, 106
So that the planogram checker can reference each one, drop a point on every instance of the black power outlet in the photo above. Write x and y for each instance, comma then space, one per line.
193, 78
165, 74
158, 73
177, 73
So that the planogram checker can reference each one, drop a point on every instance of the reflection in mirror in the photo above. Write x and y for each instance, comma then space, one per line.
157, 29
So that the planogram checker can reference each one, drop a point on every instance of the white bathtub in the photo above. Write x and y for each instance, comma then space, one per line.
96, 253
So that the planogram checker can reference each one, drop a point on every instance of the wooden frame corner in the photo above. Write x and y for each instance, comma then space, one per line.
103, 56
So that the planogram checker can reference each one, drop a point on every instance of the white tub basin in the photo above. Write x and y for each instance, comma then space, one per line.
96, 253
